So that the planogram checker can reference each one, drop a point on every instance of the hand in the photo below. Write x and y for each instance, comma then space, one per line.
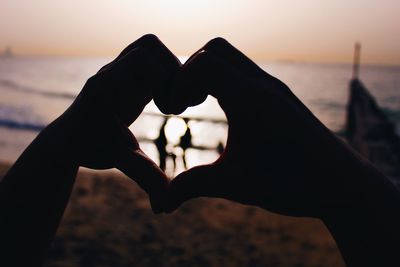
278, 155
110, 101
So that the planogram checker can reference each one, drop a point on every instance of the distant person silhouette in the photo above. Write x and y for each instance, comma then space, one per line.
220, 148
161, 144
186, 142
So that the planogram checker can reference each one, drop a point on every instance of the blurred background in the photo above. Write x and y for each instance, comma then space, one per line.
48, 49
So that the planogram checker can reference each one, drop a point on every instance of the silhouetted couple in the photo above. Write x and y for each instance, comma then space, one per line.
162, 141
298, 168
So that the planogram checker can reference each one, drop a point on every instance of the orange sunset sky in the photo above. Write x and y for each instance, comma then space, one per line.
295, 30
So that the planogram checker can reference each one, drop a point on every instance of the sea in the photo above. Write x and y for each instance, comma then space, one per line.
36, 90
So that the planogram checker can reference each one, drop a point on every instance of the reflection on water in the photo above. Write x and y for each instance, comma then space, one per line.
181, 141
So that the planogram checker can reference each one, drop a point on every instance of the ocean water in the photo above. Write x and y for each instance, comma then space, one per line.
34, 91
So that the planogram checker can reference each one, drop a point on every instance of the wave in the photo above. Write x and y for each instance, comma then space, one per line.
21, 125
393, 114
11, 85
329, 104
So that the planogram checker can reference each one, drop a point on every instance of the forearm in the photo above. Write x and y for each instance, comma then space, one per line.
367, 233
33, 196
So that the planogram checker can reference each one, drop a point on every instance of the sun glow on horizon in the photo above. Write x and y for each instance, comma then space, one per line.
304, 30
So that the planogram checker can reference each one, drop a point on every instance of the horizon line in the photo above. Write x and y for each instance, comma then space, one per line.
183, 58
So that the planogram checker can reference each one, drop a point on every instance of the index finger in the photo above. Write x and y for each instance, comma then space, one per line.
221, 47
206, 74
152, 43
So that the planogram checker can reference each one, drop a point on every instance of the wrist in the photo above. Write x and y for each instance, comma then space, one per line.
366, 229
60, 135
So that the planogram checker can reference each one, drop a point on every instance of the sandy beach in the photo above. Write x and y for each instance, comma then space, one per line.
108, 222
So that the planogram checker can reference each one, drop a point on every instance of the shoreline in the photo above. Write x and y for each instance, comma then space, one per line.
108, 222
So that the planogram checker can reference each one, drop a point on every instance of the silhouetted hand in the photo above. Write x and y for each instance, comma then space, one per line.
94, 133
110, 101
278, 155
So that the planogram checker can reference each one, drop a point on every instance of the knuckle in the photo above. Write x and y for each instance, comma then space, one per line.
158, 50
150, 40
90, 89
199, 61
150, 37
94, 87
218, 42
94, 81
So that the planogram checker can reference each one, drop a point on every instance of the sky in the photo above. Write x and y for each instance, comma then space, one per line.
292, 30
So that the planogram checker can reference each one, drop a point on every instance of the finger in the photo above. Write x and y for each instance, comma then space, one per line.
206, 73
138, 43
163, 57
147, 58
130, 83
153, 44
170, 64
140, 168
243, 64
195, 182
239, 63
226, 51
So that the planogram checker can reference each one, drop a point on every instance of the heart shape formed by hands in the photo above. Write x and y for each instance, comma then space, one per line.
275, 147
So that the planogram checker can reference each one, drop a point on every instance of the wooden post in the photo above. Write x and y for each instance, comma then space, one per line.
356, 60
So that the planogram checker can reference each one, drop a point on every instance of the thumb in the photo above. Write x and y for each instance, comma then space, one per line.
145, 172
196, 182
